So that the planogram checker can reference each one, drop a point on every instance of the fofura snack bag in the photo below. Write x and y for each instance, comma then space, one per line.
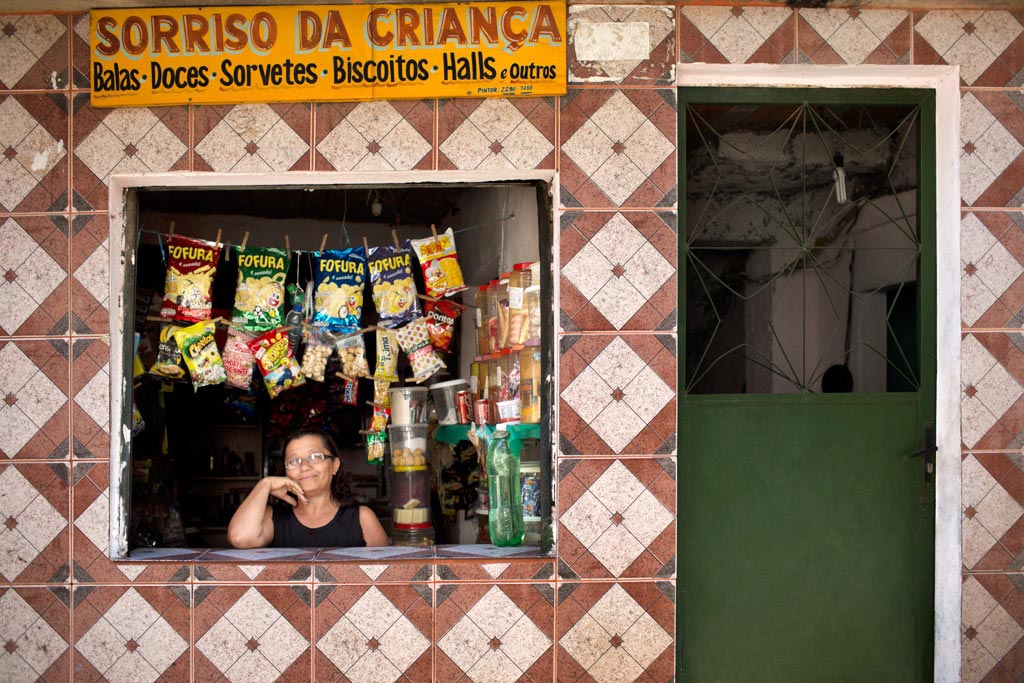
199, 350
394, 291
188, 287
277, 365
440, 263
338, 298
260, 292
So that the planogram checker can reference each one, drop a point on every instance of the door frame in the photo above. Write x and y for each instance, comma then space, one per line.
945, 82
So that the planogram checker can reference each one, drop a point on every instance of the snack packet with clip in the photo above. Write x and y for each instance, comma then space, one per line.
387, 355
274, 358
199, 350
414, 339
188, 286
259, 296
168, 355
394, 291
338, 298
441, 317
238, 358
352, 351
440, 264
375, 447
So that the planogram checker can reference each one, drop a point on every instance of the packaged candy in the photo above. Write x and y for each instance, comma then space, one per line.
338, 299
277, 365
260, 293
168, 355
375, 447
199, 350
352, 351
440, 263
188, 287
381, 415
394, 291
441, 317
238, 358
414, 339
319, 349
382, 392
350, 393
387, 355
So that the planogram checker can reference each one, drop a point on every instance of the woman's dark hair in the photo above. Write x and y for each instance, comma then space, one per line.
341, 483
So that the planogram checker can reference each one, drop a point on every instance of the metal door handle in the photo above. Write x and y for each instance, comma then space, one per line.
929, 451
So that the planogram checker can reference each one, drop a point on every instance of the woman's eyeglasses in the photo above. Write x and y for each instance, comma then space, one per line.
312, 459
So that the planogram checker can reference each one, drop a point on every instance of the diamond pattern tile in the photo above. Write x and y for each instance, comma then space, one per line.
378, 565
991, 258
736, 35
278, 565
616, 633
374, 136
33, 289
131, 140
618, 395
33, 399
33, 163
90, 390
986, 44
497, 634
35, 631
622, 45
991, 167
618, 271
992, 386
618, 148
131, 634
80, 57
991, 628
90, 270
373, 634
993, 505
452, 568
34, 544
252, 635
496, 134
617, 518
252, 138
34, 52
854, 36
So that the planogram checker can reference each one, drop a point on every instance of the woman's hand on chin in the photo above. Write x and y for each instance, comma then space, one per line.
287, 490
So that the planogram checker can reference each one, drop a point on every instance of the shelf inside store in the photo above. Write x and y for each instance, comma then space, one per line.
456, 433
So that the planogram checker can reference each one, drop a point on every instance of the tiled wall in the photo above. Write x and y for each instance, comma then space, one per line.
604, 609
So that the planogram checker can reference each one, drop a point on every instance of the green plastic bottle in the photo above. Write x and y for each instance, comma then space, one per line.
505, 513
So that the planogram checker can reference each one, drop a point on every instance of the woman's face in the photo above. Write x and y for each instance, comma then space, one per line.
312, 477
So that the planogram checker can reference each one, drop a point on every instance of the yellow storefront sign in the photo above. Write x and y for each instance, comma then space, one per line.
145, 57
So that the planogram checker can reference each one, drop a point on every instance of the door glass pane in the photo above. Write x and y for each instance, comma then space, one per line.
801, 248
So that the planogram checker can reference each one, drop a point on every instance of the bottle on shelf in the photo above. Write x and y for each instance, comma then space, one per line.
293, 320
505, 508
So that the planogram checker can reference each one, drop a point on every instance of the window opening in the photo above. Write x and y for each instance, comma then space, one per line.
200, 450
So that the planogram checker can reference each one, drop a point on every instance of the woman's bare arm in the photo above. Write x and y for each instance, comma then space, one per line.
252, 525
373, 532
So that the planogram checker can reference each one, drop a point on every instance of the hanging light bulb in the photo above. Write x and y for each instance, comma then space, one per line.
839, 178
376, 207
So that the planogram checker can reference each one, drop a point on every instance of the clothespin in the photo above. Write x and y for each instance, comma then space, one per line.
227, 250
433, 231
245, 239
323, 242
287, 245
217, 239
366, 246
394, 236
170, 232
345, 377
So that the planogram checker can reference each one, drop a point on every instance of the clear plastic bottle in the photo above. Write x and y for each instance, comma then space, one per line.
505, 509
293, 321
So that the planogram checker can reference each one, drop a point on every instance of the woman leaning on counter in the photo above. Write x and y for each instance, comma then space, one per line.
323, 511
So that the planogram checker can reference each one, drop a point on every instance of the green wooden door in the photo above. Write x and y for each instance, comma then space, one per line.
806, 529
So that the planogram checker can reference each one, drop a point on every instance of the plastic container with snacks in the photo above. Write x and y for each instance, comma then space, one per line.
529, 384
491, 318
444, 400
480, 313
518, 315
413, 535
531, 302
408, 445
493, 386
410, 479
408, 406
503, 322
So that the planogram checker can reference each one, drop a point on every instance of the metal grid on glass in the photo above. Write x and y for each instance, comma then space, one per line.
802, 248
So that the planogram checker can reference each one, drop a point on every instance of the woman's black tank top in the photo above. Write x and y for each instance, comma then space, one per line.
344, 531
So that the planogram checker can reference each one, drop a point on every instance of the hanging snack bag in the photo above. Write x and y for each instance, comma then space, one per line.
188, 287
381, 416
319, 349
238, 358
350, 393
338, 299
260, 292
441, 317
382, 392
277, 365
414, 339
375, 447
168, 355
352, 351
394, 291
440, 264
387, 355
199, 350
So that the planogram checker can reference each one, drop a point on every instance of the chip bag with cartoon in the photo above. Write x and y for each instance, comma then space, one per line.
394, 291
440, 264
199, 350
260, 292
338, 298
274, 358
188, 286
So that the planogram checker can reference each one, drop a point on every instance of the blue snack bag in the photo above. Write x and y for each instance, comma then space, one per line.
338, 297
394, 290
